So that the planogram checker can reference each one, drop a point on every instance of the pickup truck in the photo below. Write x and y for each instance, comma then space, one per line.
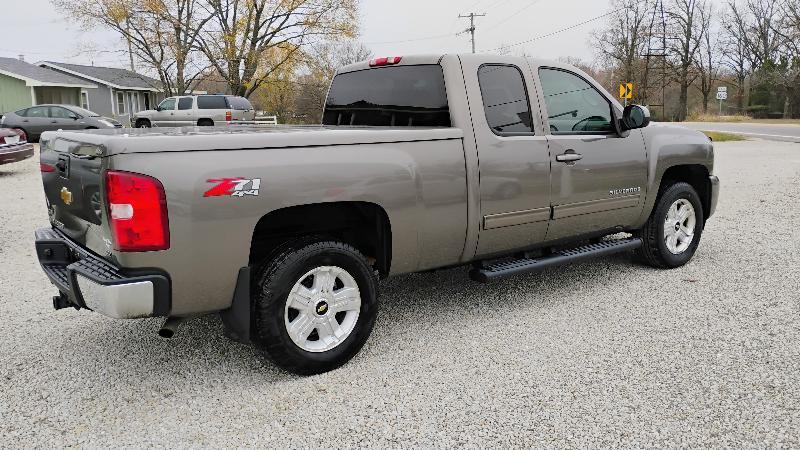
504, 164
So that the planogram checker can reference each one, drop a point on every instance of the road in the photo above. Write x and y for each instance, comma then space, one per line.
605, 353
767, 131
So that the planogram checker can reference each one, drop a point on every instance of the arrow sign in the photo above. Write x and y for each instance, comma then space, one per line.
626, 91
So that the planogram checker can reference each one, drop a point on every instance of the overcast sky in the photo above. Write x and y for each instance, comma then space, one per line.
33, 28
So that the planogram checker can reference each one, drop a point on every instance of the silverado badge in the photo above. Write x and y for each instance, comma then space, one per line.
66, 196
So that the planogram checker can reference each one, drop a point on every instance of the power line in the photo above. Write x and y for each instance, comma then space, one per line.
533, 2
552, 33
471, 28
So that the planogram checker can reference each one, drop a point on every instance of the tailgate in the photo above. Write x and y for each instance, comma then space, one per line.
71, 175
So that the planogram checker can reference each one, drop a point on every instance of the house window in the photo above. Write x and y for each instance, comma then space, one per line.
120, 103
84, 100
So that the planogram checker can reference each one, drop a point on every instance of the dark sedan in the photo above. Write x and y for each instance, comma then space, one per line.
14, 146
37, 119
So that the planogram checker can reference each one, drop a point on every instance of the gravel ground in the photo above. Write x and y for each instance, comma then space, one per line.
603, 353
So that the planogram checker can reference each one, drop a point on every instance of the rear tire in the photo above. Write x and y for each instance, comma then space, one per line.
143, 123
672, 232
205, 123
315, 305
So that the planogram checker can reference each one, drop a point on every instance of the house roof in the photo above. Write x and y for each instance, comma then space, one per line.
110, 76
34, 75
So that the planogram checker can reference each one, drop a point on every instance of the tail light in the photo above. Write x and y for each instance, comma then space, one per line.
46, 168
137, 211
228, 116
386, 61
2, 140
22, 135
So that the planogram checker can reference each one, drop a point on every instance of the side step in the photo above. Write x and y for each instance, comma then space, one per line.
505, 268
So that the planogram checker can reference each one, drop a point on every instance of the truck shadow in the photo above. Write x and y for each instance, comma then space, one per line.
131, 352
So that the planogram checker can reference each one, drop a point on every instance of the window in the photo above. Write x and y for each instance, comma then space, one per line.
168, 104
212, 102
22, 112
134, 102
120, 103
185, 103
61, 113
573, 105
391, 96
505, 99
240, 103
39, 111
84, 100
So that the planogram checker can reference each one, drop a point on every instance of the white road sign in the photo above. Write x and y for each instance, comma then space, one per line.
722, 95
722, 89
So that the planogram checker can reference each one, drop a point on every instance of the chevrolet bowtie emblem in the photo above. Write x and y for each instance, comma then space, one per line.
66, 196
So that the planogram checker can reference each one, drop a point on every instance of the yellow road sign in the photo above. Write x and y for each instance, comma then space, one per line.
626, 91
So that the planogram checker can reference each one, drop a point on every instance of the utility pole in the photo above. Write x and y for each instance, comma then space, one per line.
471, 28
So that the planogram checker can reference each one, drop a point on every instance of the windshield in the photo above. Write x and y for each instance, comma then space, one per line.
392, 96
84, 112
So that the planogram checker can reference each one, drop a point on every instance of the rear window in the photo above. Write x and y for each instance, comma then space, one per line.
392, 96
212, 102
240, 103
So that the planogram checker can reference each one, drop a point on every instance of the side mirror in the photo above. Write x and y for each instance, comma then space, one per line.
635, 116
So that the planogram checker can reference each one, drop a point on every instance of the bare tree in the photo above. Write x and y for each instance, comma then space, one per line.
686, 28
248, 40
622, 42
706, 60
735, 56
162, 34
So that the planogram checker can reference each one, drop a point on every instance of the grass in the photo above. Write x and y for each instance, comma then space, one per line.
717, 136
739, 118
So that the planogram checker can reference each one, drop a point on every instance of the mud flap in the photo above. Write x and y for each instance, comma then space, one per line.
236, 319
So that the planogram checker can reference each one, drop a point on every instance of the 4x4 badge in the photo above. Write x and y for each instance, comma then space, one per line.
233, 187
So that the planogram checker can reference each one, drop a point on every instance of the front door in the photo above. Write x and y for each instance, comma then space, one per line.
64, 119
598, 177
165, 113
513, 155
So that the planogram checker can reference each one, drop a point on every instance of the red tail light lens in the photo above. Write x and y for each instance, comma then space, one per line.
46, 168
386, 61
228, 116
137, 211
22, 135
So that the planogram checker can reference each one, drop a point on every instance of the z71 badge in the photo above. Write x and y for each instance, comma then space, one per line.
233, 187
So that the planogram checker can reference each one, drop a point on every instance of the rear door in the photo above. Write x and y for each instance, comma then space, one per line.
513, 154
36, 120
185, 114
598, 177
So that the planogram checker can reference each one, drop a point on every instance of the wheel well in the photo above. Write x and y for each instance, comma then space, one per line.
695, 175
363, 225
201, 122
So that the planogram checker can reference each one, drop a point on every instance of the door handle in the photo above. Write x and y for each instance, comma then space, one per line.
569, 157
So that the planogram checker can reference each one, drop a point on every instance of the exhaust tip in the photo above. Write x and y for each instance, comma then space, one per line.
166, 333
169, 327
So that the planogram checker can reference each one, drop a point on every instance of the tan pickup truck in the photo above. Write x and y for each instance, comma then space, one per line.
504, 164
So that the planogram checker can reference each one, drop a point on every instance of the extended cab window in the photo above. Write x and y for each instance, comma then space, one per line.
391, 96
573, 105
505, 99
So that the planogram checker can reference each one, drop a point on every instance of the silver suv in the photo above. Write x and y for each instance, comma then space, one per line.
201, 110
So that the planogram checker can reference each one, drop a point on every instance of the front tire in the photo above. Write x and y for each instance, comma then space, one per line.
672, 233
314, 306
143, 123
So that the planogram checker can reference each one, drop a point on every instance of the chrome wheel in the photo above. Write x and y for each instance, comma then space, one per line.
322, 309
679, 226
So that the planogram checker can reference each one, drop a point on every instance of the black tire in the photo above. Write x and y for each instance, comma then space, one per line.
271, 289
205, 123
143, 123
654, 250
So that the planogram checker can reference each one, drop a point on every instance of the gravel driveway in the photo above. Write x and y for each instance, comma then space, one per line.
603, 353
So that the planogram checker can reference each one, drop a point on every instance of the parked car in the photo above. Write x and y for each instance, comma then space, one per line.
506, 164
14, 146
199, 110
36, 120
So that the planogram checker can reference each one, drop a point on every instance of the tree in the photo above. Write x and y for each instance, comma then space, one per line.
735, 56
685, 30
243, 31
162, 34
706, 60
622, 42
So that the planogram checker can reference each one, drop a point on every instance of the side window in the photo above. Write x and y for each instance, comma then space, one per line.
573, 105
185, 103
59, 113
22, 112
39, 111
505, 99
168, 104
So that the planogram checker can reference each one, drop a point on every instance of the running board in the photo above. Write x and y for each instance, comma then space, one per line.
505, 268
